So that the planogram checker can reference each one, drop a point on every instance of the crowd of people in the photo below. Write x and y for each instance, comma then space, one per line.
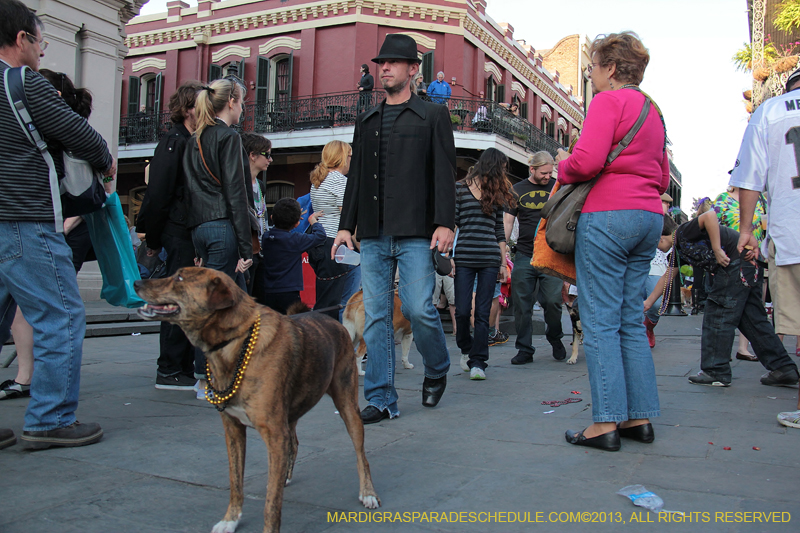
205, 206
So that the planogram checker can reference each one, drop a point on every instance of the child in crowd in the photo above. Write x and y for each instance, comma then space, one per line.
283, 250
733, 302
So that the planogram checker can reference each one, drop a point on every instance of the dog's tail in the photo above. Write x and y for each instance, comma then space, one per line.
297, 308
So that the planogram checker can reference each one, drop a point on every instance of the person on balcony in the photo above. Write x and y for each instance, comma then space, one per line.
439, 90
365, 86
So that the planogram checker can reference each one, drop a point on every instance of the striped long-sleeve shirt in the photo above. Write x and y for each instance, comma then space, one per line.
24, 176
479, 234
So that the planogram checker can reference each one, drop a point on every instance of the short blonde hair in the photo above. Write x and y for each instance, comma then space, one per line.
334, 155
540, 159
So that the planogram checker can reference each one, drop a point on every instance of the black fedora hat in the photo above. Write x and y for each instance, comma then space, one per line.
398, 46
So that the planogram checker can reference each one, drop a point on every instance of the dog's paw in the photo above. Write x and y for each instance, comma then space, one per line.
361, 373
226, 526
288, 481
370, 502
407, 365
572, 360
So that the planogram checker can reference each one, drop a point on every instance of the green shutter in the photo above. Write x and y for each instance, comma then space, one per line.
214, 72
262, 80
523, 110
501, 94
291, 72
427, 67
159, 91
134, 86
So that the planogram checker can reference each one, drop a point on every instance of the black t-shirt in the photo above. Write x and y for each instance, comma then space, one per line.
691, 233
390, 114
530, 201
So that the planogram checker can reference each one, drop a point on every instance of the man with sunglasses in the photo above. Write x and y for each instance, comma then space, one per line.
36, 269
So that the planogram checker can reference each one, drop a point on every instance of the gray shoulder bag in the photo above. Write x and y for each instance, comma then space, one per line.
563, 209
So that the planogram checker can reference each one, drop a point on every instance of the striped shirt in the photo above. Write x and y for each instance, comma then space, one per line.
24, 176
328, 198
478, 233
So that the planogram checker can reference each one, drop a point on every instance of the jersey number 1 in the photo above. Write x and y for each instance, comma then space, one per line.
793, 138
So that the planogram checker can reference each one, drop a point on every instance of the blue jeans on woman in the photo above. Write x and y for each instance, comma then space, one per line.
380, 258
36, 271
215, 244
613, 250
477, 347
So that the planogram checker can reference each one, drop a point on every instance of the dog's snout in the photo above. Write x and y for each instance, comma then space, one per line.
138, 284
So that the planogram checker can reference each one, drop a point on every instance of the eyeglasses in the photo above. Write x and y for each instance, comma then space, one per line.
42, 43
268, 155
591, 66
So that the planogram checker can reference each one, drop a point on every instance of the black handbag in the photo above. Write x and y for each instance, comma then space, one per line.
563, 208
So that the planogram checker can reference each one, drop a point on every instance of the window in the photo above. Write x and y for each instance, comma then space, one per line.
275, 190
491, 87
283, 80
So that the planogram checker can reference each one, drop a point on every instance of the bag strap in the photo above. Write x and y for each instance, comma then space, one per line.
200, 147
634, 130
14, 79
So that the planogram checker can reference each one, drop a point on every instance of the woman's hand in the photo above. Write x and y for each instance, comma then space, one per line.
722, 257
243, 265
561, 155
647, 305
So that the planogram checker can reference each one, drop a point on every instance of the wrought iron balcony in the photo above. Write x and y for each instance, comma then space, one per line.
341, 109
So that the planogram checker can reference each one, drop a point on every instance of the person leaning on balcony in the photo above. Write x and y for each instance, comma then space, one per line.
219, 188
439, 90
616, 238
401, 195
163, 219
365, 85
36, 271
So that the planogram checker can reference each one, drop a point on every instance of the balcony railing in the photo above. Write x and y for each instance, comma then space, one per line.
341, 109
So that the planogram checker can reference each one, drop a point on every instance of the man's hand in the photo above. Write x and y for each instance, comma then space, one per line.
722, 257
445, 237
342, 237
503, 274
748, 246
243, 265
561, 155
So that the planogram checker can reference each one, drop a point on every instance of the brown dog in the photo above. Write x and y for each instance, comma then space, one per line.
353, 321
294, 361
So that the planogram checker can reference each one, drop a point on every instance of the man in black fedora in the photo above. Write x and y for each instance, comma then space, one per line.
401, 196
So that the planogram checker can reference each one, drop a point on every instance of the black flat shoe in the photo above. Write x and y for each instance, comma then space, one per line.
607, 441
643, 433
432, 390
372, 414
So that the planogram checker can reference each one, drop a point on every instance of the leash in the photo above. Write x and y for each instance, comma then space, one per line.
340, 306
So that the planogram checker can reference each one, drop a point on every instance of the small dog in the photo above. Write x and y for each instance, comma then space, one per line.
353, 321
286, 364
571, 301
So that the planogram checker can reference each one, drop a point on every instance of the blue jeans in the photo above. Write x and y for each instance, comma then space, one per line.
466, 277
613, 250
649, 285
527, 286
352, 284
36, 270
380, 258
215, 244
732, 305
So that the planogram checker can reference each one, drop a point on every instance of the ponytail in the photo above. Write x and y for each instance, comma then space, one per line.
213, 98
334, 155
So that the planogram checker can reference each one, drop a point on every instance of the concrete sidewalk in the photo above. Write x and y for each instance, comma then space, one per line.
489, 446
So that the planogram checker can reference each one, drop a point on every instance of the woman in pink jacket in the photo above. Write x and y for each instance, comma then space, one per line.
616, 238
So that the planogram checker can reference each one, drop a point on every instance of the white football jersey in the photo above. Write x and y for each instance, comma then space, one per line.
769, 160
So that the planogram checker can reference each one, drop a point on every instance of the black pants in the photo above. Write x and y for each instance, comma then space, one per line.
177, 353
255, 283
331, 278
280, 301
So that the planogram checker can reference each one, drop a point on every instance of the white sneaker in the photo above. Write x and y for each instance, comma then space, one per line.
464, 359
790, 419
200, 387
477, 373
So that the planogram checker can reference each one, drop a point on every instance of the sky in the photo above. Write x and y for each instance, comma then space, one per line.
690, 76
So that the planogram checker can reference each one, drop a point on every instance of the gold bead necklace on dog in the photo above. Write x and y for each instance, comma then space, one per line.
219, 398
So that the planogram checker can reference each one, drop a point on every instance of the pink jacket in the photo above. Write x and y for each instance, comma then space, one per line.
639, 175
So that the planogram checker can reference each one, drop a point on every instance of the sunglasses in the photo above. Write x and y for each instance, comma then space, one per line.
268, 155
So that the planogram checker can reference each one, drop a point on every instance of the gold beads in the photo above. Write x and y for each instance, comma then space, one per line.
213, 395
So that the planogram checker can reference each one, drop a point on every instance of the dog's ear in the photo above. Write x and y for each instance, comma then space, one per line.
219, 295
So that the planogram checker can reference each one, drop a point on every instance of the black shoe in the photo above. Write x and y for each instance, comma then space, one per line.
701, 378
372, 414
7, 438
175, 382
607, 441
75, 434
783, 377
522, 358
432, 390
559, 352
643, 433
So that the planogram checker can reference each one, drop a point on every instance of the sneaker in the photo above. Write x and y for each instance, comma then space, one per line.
522, 358
10, 389
200, 387
75, 434
464, 359
781, 378
497, 337
476, 374
789, 419
704, 379
7, 438
175, 382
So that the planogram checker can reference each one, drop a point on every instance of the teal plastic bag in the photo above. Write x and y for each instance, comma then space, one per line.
111, 241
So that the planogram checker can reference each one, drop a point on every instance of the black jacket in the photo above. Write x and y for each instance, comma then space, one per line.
164, 205
367, 82
230, 197
419, 189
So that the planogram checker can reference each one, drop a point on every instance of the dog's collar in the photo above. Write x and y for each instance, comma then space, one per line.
220, 346
220, 398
